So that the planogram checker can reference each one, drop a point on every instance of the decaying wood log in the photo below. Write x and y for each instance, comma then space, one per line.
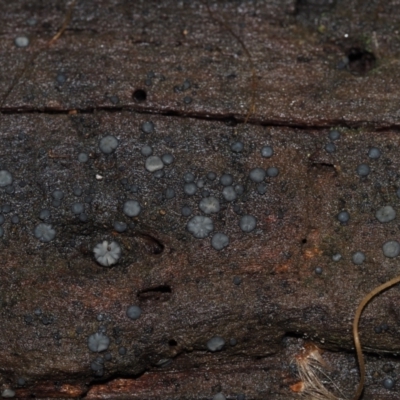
238, 233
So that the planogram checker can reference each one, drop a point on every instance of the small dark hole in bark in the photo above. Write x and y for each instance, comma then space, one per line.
361, 61
139, 95
231, 121
172, 342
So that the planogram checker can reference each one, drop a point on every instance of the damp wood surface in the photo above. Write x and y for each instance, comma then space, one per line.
318, 66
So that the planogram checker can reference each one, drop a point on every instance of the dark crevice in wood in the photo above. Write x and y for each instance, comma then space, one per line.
158, 293
225, 118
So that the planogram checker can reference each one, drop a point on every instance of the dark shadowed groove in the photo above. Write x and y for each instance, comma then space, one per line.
228, 118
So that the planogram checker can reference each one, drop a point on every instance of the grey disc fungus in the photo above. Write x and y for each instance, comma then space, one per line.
247, 223
77, 191
257, 175
132, 208
77, 208
159, 174
190, 188
153, 163
120, 226
188, 177
239, 189
169, 193
237, 280
226, 180
363, 170
58, 194
147, 127
96, 365
262, 188
219, 241
167, 159
44, 214
337, 257
334, 134
330, 148
200, 227
209, 205
186, 211
133, 312
108, 144
5, 178
44, 232
21, 41
272, 172
385, 214
358, 257
343, 216
61, 78
98, 342
10, 189
107, 254
83, 217
219, 396
200, 183
237, 147
146, 150
211, 176
83, 157
8, 393
267, 152
216, 343
21, 382
388, 383
374, 153
229, 193
391, 249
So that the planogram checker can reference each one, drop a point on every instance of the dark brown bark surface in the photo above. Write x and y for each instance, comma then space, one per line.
317, 66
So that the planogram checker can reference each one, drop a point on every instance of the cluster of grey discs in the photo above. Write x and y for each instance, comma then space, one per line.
385, 214
43, 231
99, 342
200, 226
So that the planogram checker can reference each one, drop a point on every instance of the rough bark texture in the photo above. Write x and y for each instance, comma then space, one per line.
318, 65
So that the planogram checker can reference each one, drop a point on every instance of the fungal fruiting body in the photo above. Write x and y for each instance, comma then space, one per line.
209, 205
200, 227
133, 312
5, 178
216, 343
219, 241
108, 144
98, 342
107, 254
132, 208
44, 232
